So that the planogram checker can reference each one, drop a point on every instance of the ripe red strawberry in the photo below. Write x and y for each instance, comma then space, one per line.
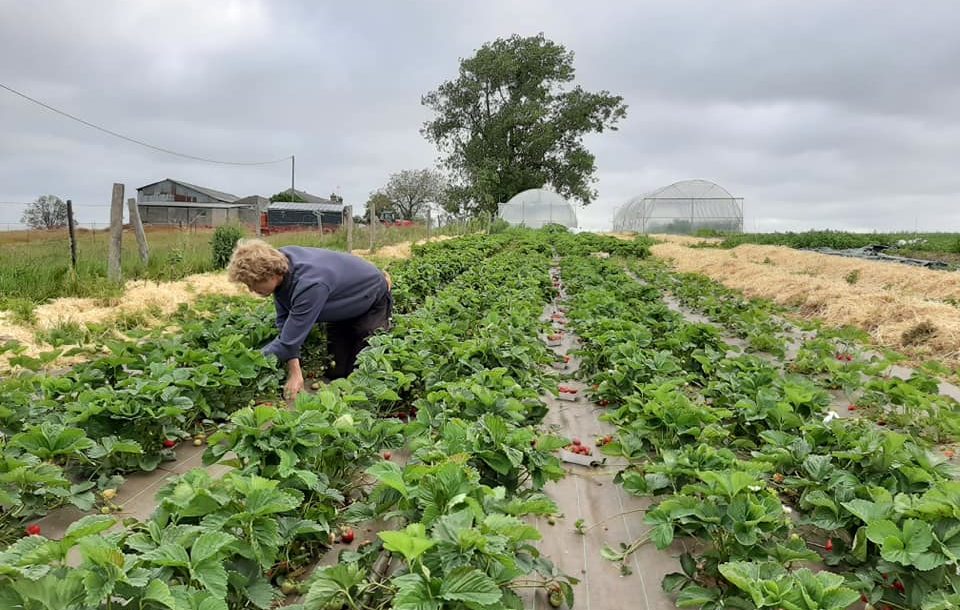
168, 443
852, 408
386, 455
898, 586
829, 545
33, 530
347, 536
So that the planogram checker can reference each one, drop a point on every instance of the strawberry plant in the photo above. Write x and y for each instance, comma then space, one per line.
504, 456
322, 440
839, 476
464, 544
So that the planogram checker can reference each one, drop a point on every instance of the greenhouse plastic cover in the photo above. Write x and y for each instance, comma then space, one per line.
692, 203
535, 208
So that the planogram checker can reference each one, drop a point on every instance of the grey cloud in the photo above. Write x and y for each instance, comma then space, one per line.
825, 113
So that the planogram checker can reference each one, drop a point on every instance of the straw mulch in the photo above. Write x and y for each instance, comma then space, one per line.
684, 240
140, 296
399, 251
152, 301
673, 239
902, 308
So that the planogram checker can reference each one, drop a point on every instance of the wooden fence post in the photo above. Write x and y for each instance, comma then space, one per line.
114, 271
348, 213
138, 230
72, 231
372, 223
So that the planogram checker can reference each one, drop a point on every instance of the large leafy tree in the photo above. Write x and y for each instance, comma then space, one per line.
288, 196
512, 120
47, 212
382, 203
412, 190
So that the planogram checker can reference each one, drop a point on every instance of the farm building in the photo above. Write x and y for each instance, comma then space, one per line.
682, 207
290, 214
534, 208
174, 202
254, 207
310, 211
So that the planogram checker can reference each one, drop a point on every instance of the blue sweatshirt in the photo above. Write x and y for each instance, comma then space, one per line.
320, 286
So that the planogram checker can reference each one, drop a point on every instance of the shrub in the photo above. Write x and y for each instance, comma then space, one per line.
224, 240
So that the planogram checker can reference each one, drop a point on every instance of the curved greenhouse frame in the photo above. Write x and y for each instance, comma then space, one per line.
535, 208
682, 207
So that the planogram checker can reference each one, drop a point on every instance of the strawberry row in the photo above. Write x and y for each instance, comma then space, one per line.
735, 453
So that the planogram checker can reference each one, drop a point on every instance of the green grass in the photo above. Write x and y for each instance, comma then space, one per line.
35, 265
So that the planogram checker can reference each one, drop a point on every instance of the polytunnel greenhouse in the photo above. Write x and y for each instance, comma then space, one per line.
682, 207
535, 208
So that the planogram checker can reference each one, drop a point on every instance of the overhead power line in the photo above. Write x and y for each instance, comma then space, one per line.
136, 141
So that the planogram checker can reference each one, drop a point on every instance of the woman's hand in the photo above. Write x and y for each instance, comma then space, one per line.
294, 384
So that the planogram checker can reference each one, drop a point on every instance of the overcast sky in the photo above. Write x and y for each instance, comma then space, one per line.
819, 113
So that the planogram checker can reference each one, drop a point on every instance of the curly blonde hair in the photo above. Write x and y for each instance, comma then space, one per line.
255, 260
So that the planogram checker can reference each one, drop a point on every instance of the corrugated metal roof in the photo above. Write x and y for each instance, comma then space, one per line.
185, 204
306, 207
219, 195
213, 194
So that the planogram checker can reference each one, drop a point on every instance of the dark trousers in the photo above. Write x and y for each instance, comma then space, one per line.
347, 338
